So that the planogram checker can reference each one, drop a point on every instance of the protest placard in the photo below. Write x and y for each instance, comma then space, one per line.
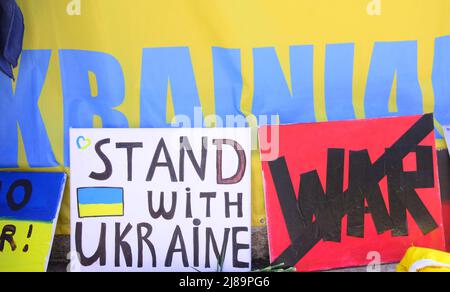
342, 194
29, 208
161, 199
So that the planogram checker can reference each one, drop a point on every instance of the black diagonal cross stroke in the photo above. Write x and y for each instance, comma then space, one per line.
305, 238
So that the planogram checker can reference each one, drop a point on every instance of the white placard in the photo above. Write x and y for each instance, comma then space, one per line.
118, 221
447, 135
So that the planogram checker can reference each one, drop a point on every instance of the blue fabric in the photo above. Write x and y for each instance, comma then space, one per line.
11, 36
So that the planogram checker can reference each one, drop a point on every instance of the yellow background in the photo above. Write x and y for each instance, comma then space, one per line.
39, 247
123, 28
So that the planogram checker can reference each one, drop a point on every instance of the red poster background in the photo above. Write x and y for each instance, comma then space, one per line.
305, 148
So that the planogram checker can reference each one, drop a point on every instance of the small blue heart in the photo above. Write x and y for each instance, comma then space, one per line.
83, 143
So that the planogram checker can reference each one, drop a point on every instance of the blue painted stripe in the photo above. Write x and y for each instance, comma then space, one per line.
45, 199
105, 196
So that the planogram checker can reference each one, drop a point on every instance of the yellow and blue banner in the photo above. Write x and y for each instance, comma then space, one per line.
100, 202
29, 207
141, 63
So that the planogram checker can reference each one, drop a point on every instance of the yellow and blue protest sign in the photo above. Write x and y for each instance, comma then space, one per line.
116, 64
29, 207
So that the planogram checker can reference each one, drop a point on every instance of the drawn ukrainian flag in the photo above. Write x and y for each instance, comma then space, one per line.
100, 202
